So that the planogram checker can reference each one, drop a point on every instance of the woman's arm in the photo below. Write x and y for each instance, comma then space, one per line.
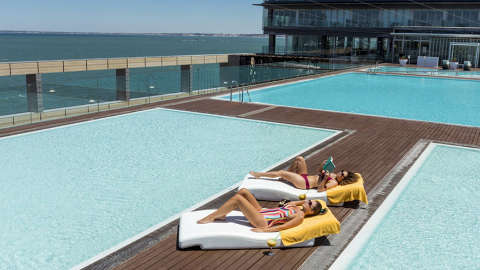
320, 169
331, 184
321, 185
295, 203
295, 221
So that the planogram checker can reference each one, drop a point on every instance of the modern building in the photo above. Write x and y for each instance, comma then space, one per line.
380, 29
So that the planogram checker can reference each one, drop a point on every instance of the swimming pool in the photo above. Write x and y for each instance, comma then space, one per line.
428, 71
429, 221
72, 192
417, 98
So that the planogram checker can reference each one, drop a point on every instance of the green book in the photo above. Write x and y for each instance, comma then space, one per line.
329, 166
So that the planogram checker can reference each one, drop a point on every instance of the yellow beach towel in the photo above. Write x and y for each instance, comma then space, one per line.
349, 192
311, 227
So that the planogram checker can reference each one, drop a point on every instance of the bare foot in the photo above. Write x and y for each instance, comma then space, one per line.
255, 174
209, 219
205, 220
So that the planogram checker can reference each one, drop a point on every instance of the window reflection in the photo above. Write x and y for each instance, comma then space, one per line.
374, 18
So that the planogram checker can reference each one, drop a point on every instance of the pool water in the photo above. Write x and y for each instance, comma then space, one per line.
69, 193
418, 98
434, 223
429, 71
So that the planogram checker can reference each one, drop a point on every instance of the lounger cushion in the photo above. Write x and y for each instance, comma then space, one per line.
276, 190
233, 233
311, 228
350, 192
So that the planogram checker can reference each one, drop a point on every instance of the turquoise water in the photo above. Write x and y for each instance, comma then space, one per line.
430, 71
70, 193
428, 99
435, 222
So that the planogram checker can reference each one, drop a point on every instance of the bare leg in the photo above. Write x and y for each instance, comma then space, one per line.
266, 174
291, 177
250, 198
298, 166
237, 202
294, 166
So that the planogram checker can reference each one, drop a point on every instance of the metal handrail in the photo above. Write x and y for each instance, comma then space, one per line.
248, 93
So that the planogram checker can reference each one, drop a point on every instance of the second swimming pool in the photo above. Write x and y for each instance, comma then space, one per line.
417, 98
429, 221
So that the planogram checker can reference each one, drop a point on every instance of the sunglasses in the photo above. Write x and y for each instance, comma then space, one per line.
310, 204
322, 210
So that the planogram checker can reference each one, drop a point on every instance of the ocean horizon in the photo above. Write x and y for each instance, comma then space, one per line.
34, 46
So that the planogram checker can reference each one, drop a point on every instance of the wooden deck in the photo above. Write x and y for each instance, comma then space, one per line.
374, 147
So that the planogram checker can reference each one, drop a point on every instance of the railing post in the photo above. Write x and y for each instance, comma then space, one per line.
34, 92
186, 78
123, 84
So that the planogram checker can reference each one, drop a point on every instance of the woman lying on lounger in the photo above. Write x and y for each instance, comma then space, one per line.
265, 219
298, 176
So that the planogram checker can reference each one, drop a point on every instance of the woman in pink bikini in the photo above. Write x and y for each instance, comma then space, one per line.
297, 175
266, 219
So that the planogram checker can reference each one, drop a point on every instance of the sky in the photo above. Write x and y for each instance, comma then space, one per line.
134, 16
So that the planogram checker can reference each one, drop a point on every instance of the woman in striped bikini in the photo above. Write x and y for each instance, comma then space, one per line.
297, 175
265, 219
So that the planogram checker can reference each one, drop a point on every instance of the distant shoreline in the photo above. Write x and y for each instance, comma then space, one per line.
131, 34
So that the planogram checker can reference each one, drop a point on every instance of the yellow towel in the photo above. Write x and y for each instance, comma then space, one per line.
347, 193
311, 227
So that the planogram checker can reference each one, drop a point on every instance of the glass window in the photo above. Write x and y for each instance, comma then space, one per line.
374, 17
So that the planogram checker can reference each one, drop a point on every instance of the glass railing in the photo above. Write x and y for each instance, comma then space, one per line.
75, 93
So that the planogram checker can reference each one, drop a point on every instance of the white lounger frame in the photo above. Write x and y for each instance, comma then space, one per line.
233, 233
277, 190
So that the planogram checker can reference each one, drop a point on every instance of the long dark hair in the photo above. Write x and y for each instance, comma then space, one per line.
349, 179
318, 208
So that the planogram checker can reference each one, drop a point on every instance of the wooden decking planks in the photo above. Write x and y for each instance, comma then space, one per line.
375, 147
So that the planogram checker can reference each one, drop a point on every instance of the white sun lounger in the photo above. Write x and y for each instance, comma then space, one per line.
233, 233
272, 189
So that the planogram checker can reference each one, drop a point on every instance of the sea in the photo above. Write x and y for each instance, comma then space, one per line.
47, 46
77, 88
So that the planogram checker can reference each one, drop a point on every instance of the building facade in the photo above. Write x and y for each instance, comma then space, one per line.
379, 29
